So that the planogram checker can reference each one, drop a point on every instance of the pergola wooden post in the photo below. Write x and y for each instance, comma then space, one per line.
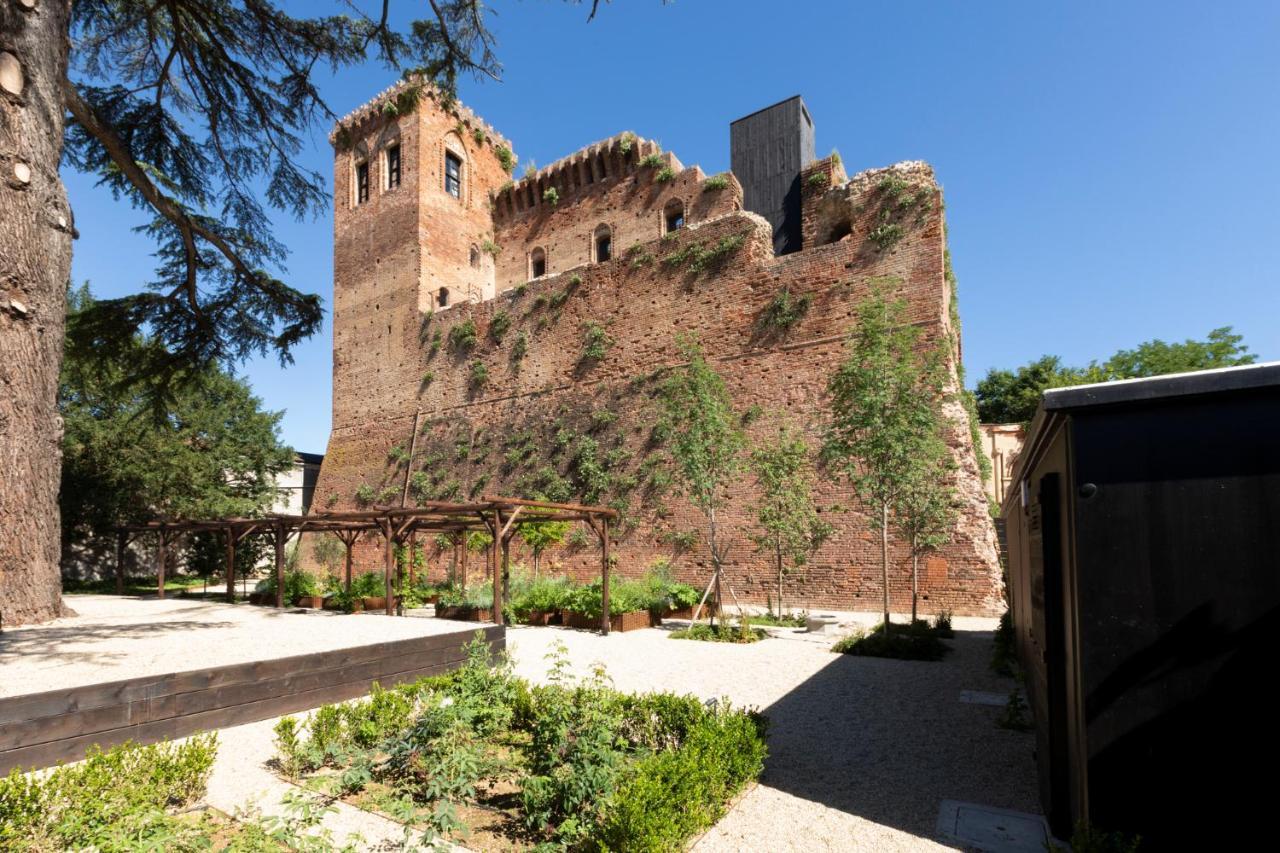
161, 557
231, 564
413, 545
280, 535
495, 529
602, 533
122, 542
389, 558
505, 532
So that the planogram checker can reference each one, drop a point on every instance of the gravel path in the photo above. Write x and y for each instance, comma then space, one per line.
862, 751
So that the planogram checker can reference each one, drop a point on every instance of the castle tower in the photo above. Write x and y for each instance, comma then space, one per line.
413, 235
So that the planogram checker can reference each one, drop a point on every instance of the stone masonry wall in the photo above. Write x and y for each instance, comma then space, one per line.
549, 421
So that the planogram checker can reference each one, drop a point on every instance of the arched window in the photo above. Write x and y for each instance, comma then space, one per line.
602, 244
537, 263
673, 216
453, 174
391, 166
475, 255
442, 298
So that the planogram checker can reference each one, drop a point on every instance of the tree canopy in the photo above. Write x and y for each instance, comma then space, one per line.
1011, 396
213, 453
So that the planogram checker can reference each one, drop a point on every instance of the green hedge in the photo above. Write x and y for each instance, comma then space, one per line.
113, 800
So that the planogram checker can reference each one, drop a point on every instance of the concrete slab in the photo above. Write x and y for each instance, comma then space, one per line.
981, 697
993, 830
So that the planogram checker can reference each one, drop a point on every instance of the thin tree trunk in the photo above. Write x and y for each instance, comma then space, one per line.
35, 268
915, 582
884, 562
778, 551
715, 566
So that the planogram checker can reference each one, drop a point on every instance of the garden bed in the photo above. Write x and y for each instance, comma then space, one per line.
632, 620
465, 613
488, 759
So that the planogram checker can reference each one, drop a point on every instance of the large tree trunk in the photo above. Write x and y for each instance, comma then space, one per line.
35, 266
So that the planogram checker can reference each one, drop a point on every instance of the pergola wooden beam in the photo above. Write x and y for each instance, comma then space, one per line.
498, 515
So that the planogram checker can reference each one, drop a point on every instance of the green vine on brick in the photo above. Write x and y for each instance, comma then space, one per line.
478, 135
551, 196
783, 311
665, 174
715, 182
499, 325
521, 346
506, 158
478, 375
596, 342
698, 258
462, 337
819, 180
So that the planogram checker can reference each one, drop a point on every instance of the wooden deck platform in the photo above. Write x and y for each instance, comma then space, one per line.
41, 729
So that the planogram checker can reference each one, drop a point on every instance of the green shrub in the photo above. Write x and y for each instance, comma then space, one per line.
544, 595
113, 800
885, 235
624, 144
596, 342
297, 584
365, 494
478, 135
499, 325
667, 797
722, 633
784, 311
462, 337
941, 625
551, 196
903, 642
490, 248
665, 174
521, 347
1014, 715
478, 375
650, 161
368, 585
506, 158
715, 182
698, 258
819, 180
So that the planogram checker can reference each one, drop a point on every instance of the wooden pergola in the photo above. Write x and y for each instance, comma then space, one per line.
498, 516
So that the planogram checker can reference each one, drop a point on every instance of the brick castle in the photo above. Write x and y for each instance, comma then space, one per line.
506, 337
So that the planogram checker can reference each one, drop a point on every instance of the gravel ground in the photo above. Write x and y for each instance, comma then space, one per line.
862, 750
115, 638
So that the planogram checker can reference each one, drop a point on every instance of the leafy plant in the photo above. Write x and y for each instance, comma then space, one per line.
506, 158
499, 325
784, 311
490, 248
666, 173
715, 182
698, 258
722, 633
551, 196
650, 161
1014, 715
478, 135
596, 342
908, 643
885, 235
463, 337
521, 346
365, 494
625, 143
478, 374
819, 180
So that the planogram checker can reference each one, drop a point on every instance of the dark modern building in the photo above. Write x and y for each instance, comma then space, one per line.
767, 150
1144, 580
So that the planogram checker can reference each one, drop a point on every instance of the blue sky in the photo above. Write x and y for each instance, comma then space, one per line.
1110, 169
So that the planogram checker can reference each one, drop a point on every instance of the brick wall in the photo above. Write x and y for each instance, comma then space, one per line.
529, 428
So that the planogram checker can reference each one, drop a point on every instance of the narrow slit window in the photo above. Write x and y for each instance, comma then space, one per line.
442, 298
362, 183
537, 263
453, 175
393, 167
603, 244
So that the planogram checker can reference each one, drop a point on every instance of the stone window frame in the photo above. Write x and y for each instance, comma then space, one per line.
473, 256
385, 163
451, 143
360, 157
594, 248
666, 215
532, 259
442, 297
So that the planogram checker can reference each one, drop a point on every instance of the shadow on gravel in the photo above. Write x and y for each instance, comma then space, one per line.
47, 642
888, 740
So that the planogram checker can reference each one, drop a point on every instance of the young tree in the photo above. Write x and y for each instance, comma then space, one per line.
925, 509
788, 526
194, 111
884, 402
541, 535
214, 453
706, 441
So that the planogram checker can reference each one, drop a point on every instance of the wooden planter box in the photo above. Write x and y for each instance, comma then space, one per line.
543, 617
687, 612
466, 614
262, 598
377, 602
316, 601
632, 621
